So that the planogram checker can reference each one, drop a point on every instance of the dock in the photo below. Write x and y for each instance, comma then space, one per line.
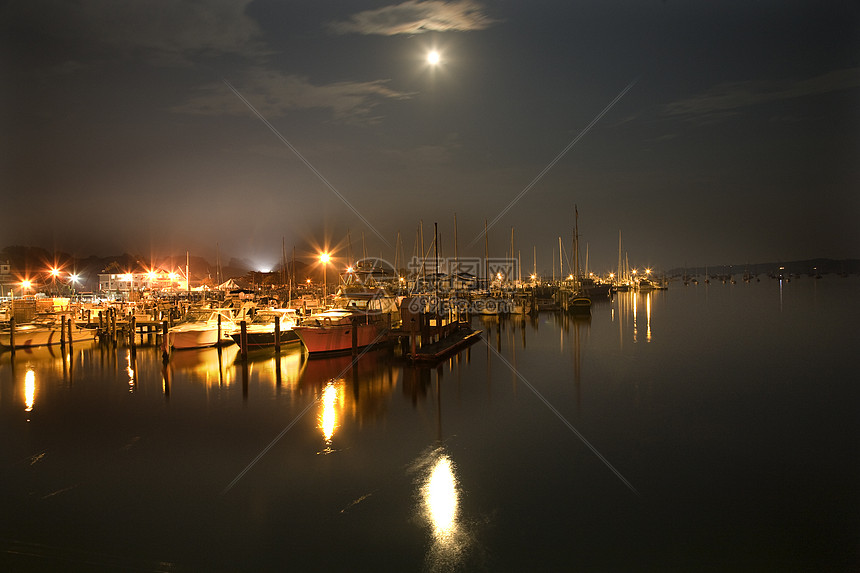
446, 346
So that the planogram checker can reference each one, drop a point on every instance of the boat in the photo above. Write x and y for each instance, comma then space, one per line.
578, 299
595, 288
579, 304
492, 304
203, 327
360, 317
261, 330
44, 333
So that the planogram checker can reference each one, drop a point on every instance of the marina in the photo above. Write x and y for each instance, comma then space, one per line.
430, 286
705, 424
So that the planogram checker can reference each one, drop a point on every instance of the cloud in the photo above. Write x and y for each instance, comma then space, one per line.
162, 33
726, 99
274, 94
174, 32
416, 17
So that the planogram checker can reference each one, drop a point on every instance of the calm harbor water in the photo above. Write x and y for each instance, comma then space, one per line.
703, 428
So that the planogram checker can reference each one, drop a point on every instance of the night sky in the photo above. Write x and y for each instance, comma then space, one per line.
707, 132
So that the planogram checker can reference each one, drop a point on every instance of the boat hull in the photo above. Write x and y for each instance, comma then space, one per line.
27, 336
263, 339
580, 305
337, 338
197, 338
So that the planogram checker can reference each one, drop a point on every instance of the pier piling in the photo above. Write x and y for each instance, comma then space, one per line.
277, 334
243, 339
165, 348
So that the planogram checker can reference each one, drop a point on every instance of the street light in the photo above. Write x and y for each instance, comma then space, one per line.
25, 284
55, 272
74, 279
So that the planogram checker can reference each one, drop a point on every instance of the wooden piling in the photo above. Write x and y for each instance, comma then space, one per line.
70, 325
62, 331
412, 337
219, 328
12, 333
165, 348
243, 339
278, 335
132, 331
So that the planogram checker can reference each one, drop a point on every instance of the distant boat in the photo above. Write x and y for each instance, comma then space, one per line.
261, 330
492, 304
594, 288
579, 304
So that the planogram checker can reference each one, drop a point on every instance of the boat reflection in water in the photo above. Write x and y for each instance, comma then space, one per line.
349, 390
439, 507
212, 366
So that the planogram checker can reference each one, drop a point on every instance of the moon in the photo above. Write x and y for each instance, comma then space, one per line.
433, 58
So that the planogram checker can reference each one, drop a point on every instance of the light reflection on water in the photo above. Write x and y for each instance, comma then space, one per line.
438, 490
29, 390
329, 403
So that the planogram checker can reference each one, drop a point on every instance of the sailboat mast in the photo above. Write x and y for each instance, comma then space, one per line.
283, 260
575, 246
560, 261
456, 254
218, 263
421, 232
436, 252
486, 256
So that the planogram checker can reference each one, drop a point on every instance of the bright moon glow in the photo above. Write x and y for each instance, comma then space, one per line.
433, 58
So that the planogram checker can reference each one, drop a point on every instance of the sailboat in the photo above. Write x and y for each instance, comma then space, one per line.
581, 302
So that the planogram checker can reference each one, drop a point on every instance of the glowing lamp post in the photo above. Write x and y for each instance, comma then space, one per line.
55, 272
24, 286
73, 281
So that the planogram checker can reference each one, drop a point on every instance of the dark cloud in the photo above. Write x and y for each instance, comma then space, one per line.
417, 17
275, 94
727, 99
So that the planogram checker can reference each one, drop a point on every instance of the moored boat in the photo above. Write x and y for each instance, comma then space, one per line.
202, 328
44, 333
360, 318
260, 331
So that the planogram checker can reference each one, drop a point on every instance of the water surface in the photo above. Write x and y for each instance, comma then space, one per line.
710, 427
